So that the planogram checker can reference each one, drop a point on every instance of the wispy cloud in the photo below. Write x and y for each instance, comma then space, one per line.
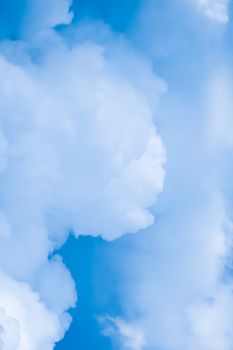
216, 10
126, 335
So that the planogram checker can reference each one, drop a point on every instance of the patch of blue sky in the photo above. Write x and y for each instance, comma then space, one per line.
88, 260
11, 15
119, 15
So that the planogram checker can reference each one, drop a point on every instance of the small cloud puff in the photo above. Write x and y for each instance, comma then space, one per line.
216, 10
127, 335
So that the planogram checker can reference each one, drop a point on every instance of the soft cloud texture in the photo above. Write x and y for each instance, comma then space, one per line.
79, 151
128, 336
216, 10
26, 324
177, 276
180, 296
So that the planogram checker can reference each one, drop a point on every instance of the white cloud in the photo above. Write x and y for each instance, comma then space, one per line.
77, 126
26, 324
211, 321
127, 336
177, 280
79, 151
216, 10
175, 285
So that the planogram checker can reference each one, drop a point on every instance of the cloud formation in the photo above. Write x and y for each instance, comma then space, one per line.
26, 323
129, 337
177, 276
216, 10
180, 296
79, 151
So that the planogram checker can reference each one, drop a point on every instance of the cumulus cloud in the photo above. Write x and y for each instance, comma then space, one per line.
176, 281
26, 324
177, 276
79, 151
217, 10
89, 97
185, 304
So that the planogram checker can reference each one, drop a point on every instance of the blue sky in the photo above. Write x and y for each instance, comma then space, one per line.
115, 160
119, 15
89, 269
